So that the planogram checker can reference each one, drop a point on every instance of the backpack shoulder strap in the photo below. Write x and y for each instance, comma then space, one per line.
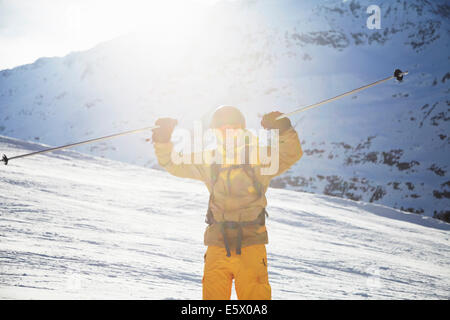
215, 171
214, 175
250, 171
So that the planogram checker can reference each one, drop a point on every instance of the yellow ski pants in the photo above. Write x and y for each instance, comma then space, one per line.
249, 271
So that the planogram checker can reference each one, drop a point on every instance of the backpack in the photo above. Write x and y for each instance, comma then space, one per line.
216, 169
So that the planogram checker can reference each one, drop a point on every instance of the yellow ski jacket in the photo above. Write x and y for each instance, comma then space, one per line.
235, 198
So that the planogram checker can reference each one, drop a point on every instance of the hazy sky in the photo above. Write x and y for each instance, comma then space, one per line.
30, 29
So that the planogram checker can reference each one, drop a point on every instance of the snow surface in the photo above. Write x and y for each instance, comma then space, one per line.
79, 227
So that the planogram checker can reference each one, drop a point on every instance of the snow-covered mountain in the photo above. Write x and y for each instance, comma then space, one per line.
387, 145
76, 226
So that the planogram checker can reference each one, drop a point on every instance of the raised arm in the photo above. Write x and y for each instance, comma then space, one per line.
289, 149
163, 150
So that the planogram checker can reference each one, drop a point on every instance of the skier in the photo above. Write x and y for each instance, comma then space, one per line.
236, 234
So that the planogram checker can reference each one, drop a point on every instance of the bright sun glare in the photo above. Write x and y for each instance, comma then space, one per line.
89, 21
55, 28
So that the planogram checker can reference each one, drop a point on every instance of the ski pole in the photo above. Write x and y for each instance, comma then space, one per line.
5, 159
398, 74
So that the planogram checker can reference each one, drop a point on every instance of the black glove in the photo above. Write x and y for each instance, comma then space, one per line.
164, 132
268, 122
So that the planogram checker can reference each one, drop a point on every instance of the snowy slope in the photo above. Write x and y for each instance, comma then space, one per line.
76, 226
388, 145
